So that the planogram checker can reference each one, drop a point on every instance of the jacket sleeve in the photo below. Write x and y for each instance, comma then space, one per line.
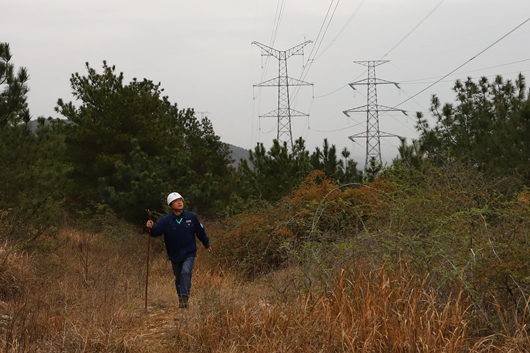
201, 233
158, 228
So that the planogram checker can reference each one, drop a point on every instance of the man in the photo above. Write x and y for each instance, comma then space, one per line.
179, 229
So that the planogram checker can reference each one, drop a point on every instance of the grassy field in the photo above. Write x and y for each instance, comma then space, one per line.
84, 292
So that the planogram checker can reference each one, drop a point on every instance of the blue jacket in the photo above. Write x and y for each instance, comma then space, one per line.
180, 238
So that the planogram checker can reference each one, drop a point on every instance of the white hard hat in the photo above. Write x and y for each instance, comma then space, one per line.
172, 197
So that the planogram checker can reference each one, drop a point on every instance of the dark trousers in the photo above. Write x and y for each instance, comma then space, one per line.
182, 272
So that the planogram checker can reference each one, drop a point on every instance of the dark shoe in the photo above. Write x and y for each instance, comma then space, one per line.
183, 302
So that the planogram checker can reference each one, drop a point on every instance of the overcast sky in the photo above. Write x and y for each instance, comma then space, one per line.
201, 53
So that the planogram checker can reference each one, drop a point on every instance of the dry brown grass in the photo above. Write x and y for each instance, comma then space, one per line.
87, 295
376, 311
80, 293
16, 272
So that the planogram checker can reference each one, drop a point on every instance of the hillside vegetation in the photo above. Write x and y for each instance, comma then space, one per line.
310, 254
437, 266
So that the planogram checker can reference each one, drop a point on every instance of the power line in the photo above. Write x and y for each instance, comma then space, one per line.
465, 72
280, 5
402, 90
464, 47
487, 76
318, 43
425, 109
459, 67
325, 31
342, 29
253, 131
277, 20
375, 149
398, 120
271, 130
321, 27
341, 129
415, 27
330, 93
388, 144
331, 43
341, 87
436, 44
274, 27
486, 68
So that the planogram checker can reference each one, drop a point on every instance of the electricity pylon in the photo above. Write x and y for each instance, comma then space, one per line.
373, 134
203, 114
283, 82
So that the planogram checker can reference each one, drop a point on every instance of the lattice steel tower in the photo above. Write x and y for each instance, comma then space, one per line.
373, 134
283, 82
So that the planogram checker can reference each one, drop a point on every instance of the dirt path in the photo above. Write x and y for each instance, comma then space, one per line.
165, 327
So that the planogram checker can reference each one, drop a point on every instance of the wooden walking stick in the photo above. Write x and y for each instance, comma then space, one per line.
147, 271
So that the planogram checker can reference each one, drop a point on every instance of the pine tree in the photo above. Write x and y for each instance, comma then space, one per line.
273, 174
31, 177
13, 106
123, 137
327, 161
488, 129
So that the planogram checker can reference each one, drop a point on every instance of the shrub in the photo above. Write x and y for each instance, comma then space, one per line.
465, 232
263, 239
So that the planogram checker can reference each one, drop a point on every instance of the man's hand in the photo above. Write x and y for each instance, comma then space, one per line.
209, 249
149, 224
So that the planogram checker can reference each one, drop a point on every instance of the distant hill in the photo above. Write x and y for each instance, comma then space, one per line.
34, 123
237, 154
